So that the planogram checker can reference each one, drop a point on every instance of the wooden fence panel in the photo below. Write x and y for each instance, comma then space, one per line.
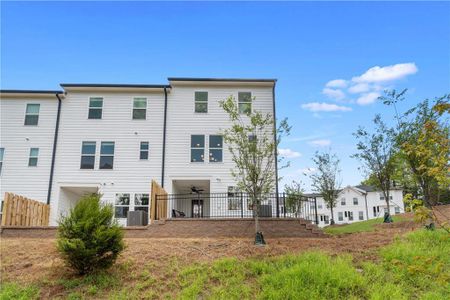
158, 210
21, 211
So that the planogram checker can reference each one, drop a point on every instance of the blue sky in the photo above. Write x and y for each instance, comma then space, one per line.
365, 46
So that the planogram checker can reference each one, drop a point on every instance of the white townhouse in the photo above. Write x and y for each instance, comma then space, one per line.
116, 138
359, 203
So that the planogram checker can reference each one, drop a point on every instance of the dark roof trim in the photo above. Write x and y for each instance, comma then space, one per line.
30, 92
221, 79
101, 85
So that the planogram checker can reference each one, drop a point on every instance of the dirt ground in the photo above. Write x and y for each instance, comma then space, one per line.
30, 260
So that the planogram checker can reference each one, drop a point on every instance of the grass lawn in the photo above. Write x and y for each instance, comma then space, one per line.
415, 266
363, 226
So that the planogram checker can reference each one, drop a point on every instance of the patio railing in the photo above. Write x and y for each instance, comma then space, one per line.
235, 205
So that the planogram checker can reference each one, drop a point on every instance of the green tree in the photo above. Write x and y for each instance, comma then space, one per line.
294, 197
253, 148
88, 238
376, 153
326, 179
423, 138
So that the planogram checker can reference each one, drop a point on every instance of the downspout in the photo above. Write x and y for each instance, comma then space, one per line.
367, 209
275, 141
164, 138
55, 140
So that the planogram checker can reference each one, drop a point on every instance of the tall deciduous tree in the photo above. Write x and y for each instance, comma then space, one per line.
423, 138
326, 179
376, 152
253, 148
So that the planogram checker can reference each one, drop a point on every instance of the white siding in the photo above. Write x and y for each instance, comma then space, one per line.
182, 122
130, 174
17, 139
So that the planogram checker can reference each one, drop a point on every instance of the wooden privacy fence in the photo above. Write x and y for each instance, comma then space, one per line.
158, 210
21, 211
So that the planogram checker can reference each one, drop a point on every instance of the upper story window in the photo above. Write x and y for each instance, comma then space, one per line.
33, 159
139, 108
215, 148
32, 114
107, 155
355, 201
245, 102
2, 152
143, 153
141, 202
88, 155
342, 201
95, 108
201, 102
197, 148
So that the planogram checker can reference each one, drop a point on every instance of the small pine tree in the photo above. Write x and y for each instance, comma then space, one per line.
88, 238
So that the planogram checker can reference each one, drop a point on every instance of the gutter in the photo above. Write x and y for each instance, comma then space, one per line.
367, 209
55, 140
275, 141
164, 138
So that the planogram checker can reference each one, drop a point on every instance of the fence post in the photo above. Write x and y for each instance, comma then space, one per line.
315, 210
284, 204
156, 207
278, 206
242, 206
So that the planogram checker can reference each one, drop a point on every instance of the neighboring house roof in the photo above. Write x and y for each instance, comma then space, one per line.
366, 188
222, 79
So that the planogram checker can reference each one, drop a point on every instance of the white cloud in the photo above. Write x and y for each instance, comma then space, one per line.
368, 98
317, 106
388, 73
288, 153
359, 88
335, 94
337, 83
307, 171
320, 143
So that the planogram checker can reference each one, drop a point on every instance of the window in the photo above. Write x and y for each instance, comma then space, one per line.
376, 210
2, 152
327, 219
390, 197
33, 160
201, 102
215, 148
321, 218
319, 206
95, 108
355, 201
107, 155
381, 197
397, 210
361, 215
234, 198
143, 153
350, 216
340, 216
139, 108
141, 202
342, 201
245, 102
32, 114
122, 205
87, 155
197, 148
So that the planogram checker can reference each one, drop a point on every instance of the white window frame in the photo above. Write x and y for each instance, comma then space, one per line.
214, 148
144, 150
122, 205
94, 155
133, 108
140, 205
2, 155
195, 102
361, 215
31, 114
397, 210
89, 107
357, 201
191, 148
343, 201
239, 102
101, 155
340, 216
33, 156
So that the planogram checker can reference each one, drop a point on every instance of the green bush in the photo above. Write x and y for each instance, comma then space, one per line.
88, 238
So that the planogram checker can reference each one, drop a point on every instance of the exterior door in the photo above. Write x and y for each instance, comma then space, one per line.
197, 208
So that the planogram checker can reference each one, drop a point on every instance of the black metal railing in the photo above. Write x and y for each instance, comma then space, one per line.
235, 205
